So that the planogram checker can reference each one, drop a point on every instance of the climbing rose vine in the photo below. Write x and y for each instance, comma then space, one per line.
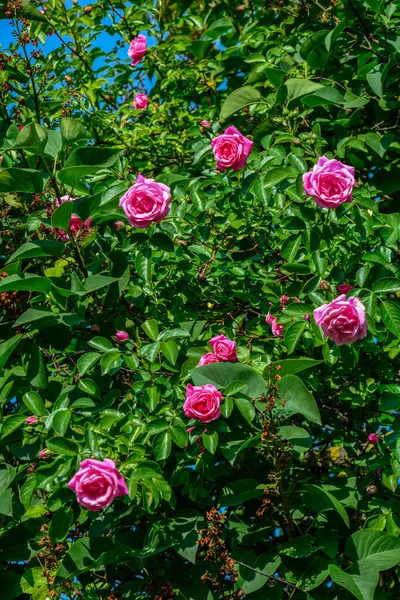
199, 289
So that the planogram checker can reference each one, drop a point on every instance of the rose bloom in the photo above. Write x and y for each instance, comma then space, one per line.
223, 347
97, 484
373, 438
202, 402
344, 288
31, 420
121, 336
205, 124
277, 328
231, 149
343, 321
44, 453
208, 358
118, 225
283, 299
146, 202
330, 182
137, 49
140, 101
75, 224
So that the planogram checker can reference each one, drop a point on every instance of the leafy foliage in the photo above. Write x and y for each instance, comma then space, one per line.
282, 496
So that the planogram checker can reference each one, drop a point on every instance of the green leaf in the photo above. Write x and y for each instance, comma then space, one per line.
296, 88
143, 266
54, 143
162, 446
21, 180
87, 361
290, 366
97, 282
374, 78
224, 373
32, 137
292, 335
362, 274
170, 350
325, 96
329, 501
151, 328
63, 446
361, 581
11, 424
7, 348
298, 400
386, 285
179, 436
100, 343
6, 507
239, 491
34, 403
61, 421
374, 547
38, 248
27, 282
246, 408
210, 441
276, 175
390, 312
297, 436
60, 524
238, 99
72, 131
187, 524
61, 217
263, 567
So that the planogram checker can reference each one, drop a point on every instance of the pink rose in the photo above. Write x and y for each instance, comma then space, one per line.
284, 299
121, 336
97, 484
344, 288
277, 328
31, 420
75, 223
330, 182
146, 202
44, 453
202, 402
118, 225
208, 358
231, 149
140, 101
373, 438
205, 124
137, 49
343, 321
223, 347
323, 285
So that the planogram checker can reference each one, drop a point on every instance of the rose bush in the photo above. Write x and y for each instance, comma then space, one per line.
200, 363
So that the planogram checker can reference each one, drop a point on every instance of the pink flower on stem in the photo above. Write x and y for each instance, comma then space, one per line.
137, 49
231, 149
121, 336
208, 359
330, 182
140, 101
97, 484
344, 288
223, 347
146, 202
205, 124
75, 224
202, 402
277, 328
31, 420
283, 299
343, 321
118, 225
44, 453
373, 438
323, 285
